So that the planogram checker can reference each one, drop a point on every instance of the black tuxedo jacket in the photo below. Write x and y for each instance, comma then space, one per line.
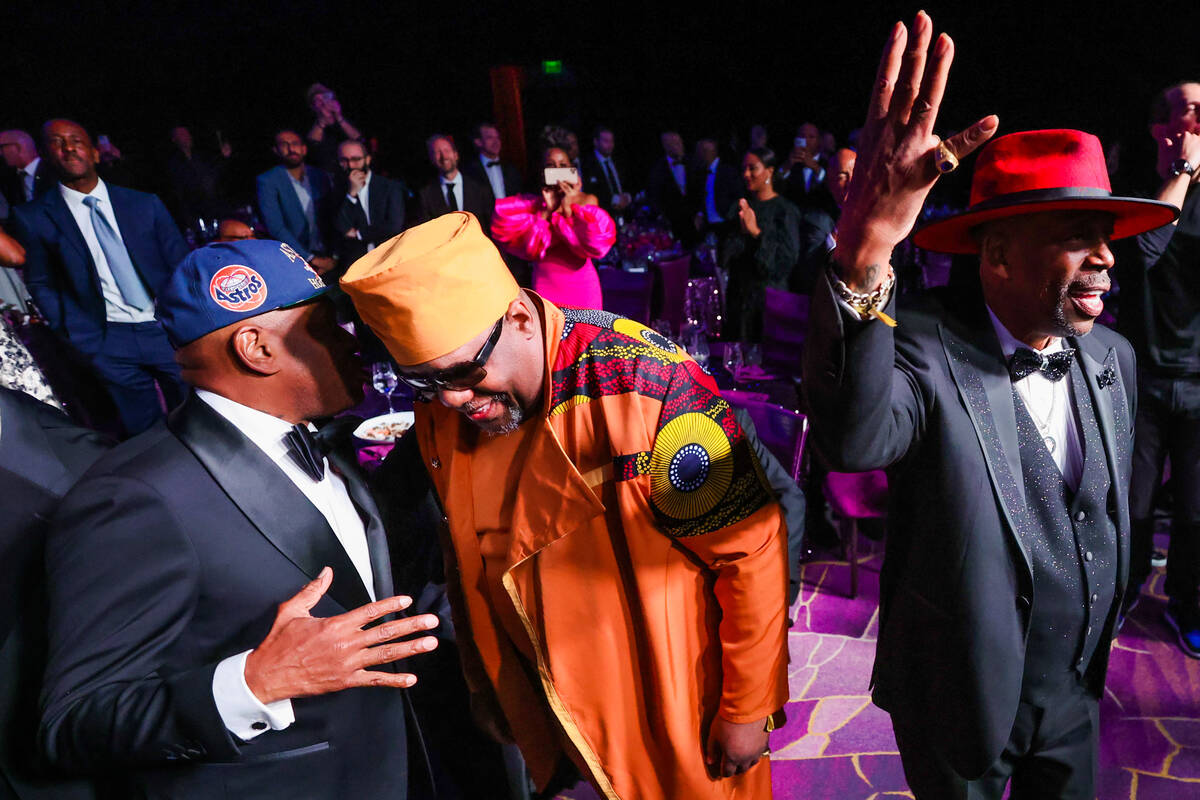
386, 199
42, 454
931, 401
171, 554
59, 269
477, 198
596, 182
473, 167
663, 193
727, 188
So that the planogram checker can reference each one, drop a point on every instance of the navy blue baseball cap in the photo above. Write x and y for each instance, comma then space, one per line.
226, 282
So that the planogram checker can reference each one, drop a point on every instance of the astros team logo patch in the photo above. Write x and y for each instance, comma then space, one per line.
238, 288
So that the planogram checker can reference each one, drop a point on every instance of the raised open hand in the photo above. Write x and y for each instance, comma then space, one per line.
305, 655
896, 157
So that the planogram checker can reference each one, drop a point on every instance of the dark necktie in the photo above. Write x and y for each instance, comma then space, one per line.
611, 177
491, 164
451, 200
1025, 362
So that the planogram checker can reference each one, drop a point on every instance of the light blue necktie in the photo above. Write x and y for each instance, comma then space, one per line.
119, 263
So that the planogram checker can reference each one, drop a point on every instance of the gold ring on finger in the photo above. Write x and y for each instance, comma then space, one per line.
945, 160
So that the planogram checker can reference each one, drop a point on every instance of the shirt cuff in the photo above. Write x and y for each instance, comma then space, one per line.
244, 715
352, 199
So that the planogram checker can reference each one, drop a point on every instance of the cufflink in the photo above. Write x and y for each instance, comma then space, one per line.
259, 726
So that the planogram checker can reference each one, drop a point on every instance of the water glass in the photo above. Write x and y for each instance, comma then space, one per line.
733, 358
384, 379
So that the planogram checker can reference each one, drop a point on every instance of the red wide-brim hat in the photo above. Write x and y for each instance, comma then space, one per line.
1035, 171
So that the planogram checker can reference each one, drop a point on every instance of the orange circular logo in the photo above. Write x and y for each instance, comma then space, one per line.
238, 288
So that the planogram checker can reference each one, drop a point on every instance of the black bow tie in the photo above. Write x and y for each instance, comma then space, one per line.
1025, 362
493, 164
309, 449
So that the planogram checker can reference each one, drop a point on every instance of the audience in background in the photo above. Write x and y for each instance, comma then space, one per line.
487, 167
602, 176
763, 250
26, 175
560, 231
291, 197
715, 188
195, 182
818, 220
451, 190
667, 187
329, 128
369, 208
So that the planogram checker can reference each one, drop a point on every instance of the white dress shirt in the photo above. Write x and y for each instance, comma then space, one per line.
115, 307
27, 177
364, 200
456, 186
495, 175
243, 714
710, 200
1052, 406
606, 164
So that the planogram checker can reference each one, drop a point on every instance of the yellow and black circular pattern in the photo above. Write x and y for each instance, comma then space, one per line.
663, 346
691, 467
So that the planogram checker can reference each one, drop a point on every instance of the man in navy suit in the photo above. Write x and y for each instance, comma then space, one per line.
291, 199
95, 258
221, 588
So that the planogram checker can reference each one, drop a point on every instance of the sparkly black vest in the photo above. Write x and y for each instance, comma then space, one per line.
1073, 545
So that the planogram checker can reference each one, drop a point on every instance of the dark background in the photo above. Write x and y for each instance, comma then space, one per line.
405, 69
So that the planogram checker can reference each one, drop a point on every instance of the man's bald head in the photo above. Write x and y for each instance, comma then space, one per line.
18, 148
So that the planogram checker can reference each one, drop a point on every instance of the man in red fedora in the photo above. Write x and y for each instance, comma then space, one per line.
1003, 415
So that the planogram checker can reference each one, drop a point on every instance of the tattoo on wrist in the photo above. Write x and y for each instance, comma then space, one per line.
871, 275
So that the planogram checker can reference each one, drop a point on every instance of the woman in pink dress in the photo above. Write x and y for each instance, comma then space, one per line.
561, 232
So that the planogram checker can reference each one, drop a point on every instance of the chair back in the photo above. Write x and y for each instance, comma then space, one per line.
670, 291
857, 495
785, 326
783, 431
627, 294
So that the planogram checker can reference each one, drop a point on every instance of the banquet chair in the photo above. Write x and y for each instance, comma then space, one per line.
782, 431
785, 326
670, 291
853, 496
627, 294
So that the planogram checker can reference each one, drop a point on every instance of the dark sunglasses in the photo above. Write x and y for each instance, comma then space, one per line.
462, 376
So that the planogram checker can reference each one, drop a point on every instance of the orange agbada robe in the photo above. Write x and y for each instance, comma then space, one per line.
645, 584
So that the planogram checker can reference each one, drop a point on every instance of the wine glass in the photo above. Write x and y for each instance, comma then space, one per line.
752, 355
698, 349
733, 358
384, 379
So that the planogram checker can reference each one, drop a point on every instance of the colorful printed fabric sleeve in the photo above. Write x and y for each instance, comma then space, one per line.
519, 229
589, 231
708, 491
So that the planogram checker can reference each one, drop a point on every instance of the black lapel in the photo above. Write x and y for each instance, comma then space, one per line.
978, 368
360, 495
1112, 415
267, 497
377, 199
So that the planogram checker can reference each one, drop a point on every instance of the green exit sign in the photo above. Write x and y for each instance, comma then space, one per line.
552, 67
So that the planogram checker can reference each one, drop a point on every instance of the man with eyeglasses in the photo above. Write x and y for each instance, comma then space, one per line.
371, 209
617, 559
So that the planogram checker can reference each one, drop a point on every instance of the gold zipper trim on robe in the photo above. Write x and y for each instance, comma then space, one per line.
556, 704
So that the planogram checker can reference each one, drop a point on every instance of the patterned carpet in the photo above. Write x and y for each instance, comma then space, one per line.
838, 745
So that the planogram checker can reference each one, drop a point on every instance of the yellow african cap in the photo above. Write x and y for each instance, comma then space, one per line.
432, 289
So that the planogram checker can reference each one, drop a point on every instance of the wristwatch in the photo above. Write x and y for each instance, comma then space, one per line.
1181, 166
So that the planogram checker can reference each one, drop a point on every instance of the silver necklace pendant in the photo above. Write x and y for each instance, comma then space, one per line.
1050, 443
